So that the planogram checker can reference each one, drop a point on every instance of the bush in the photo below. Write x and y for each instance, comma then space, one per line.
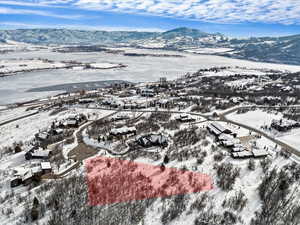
265, 164
177, 207
69, 141
171, 125
219, 156
227, 175
251, 164
200, 203
237, 202
279, 201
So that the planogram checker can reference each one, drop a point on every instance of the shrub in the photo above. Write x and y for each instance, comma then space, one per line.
251, 164
227, 175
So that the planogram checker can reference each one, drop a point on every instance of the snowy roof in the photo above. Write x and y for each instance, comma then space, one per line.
123, 130
41, 153
36, 169
259, 152
157, 138
86, 100
214, 130
238, 149
153, 139
231, 142
59, 131
227, 137
73, 116
27, 175
71, 122
43, 135
242, 154
46, 165
218, 127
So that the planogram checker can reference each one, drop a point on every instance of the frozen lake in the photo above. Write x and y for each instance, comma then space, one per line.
149, 68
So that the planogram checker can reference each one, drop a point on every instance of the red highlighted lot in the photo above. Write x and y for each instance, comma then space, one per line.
112, 180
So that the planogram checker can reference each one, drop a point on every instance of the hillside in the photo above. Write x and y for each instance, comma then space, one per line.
267, 49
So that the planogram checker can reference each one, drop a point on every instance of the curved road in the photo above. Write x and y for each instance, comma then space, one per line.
222, 118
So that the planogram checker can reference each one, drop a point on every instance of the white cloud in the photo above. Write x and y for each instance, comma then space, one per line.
231, 11
221, 11
11, 11
16, 25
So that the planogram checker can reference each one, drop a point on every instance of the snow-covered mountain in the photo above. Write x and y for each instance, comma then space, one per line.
267, 49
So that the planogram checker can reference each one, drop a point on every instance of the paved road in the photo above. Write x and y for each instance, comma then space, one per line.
257, 107
208, 118
222, 118
149, 111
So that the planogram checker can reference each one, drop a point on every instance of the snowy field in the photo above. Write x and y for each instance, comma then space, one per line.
292, 138
104, 65
28, 127
18, 65
259, 118
140, 69
256, 118
17, 46
10, 114
208, 50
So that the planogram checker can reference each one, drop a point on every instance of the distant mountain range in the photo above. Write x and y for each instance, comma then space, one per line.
266, 49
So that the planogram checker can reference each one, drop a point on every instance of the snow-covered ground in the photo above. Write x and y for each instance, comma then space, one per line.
17, 46
18, 65
104, 65
255, 119
208, 50
26, 129
10, 114
248, 181
139, 69
259, 118
292, 138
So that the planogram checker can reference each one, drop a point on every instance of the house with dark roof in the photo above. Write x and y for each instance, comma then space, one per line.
151, 140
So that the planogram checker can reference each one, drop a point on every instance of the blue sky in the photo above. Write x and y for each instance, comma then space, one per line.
235, 18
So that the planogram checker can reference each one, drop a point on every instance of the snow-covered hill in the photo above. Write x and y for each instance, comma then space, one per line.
268, 49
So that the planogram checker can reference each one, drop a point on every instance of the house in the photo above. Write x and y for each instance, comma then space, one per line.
15, 181
217, 129
163, 80
27, 178
75, 120
57, 131
151, 140
238, 148
259, 153
242, 155
123, 131
71, 123
37, 171
130, 106
185, 118
147, 92
120, 116
85, 101
283, 125
42, 136
37, 154
46, 167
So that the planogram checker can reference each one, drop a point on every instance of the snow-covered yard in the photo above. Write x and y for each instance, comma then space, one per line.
291, 138
256, 118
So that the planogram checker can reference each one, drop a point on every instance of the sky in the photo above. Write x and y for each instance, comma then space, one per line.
234, 18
